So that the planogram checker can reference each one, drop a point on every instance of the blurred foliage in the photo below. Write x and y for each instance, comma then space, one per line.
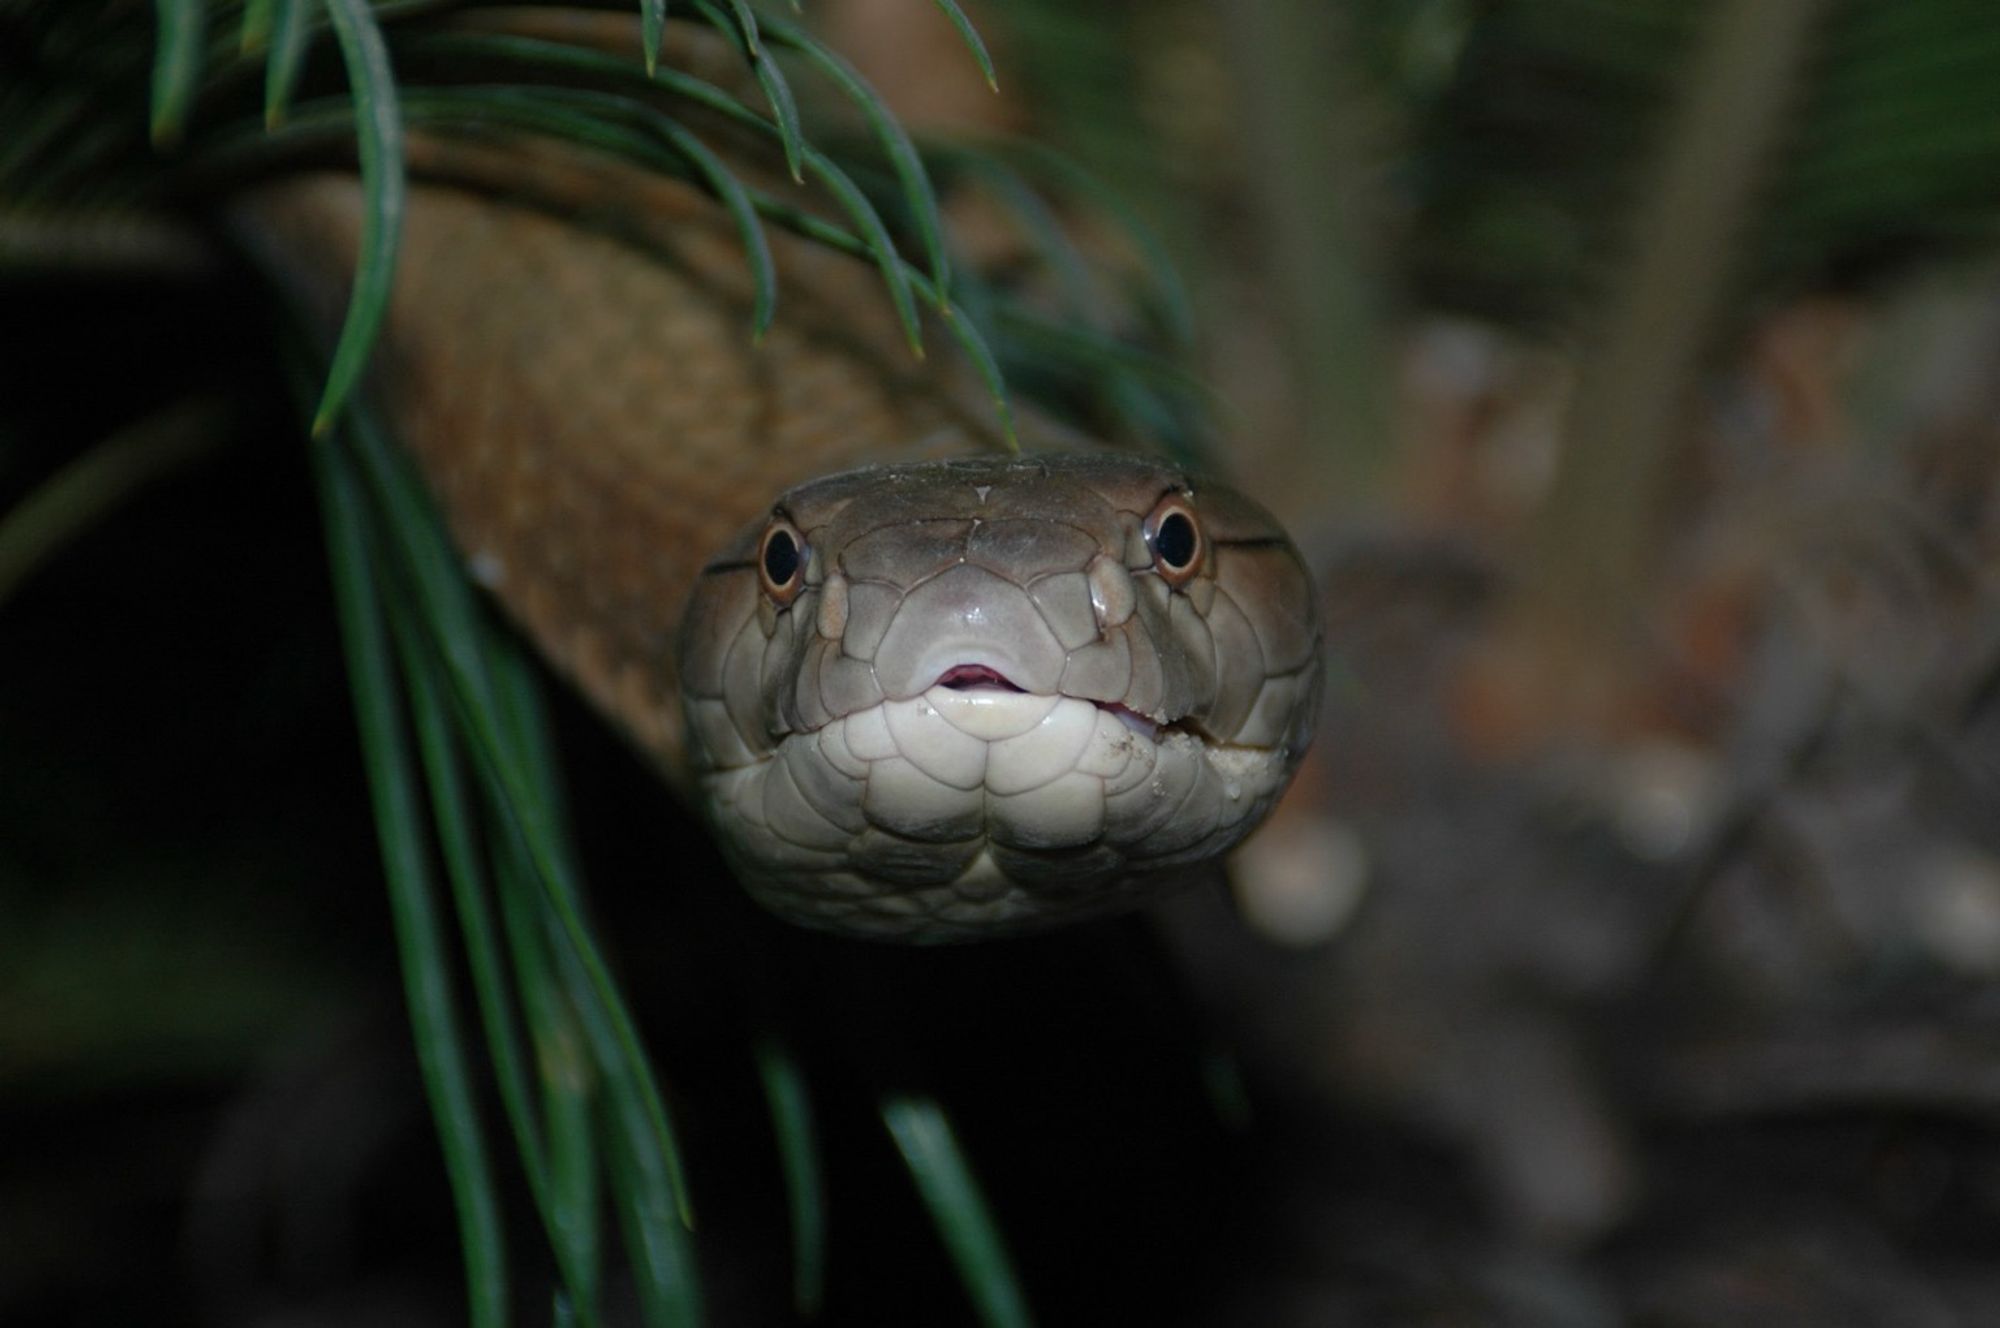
1509, 134
1522, 162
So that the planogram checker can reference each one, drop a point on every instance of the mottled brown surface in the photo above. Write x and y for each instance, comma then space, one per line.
591, 411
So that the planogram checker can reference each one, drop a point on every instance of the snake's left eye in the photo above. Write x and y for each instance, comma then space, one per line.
781, 561
1173, 533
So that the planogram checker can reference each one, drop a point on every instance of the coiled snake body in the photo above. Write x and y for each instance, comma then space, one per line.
943, 693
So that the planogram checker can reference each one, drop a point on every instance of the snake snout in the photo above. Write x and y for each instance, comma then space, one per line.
968, 620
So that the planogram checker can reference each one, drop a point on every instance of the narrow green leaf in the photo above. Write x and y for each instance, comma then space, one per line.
652, 31
970, 35
709, 168
552, 1168
458, 837
30, 155
525, 816
84, 492
650, 1180
967, 334
746, 24
379, 134
287, 56
393, 789
903, 157
665, 1282
654, 1192
548, 56
1176, 306
868, 224
1087, 350
255, 29
570, 1203
569, 1077
944, 1178
1046, 235
974, 345
180, 28
733, 196
798, 1152
784, 108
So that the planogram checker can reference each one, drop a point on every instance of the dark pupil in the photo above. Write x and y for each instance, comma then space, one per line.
781, 558
1173, 542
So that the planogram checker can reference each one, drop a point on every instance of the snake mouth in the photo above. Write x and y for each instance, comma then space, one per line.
985, 678
975, 677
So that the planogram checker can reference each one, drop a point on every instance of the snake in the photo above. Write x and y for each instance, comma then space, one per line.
922, 687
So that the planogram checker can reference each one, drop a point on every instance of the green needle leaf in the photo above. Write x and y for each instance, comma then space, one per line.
784, 108
746, 23
1052, 167
519, 793
868, 223
255, 29
90, 488
733, 196
551, 1169
944, 1178
180, 27
652, 31
918, 194
970, 35
798, 1151
379, 133
1044, 233
974, 345
285, 59
427, 981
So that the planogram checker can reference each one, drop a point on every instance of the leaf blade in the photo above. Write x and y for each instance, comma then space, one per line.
385, 186
930, 1149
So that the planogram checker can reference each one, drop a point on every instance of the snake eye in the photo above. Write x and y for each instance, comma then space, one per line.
1174, 536
781, 561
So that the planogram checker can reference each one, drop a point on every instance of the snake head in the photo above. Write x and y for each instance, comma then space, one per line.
961, 699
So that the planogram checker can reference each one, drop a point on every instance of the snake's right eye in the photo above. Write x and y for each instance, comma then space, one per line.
1173, 533
781, 561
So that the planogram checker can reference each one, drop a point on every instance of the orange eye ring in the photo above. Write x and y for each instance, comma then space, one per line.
1174, 534
781, 561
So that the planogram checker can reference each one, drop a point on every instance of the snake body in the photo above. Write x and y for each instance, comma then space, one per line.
933, 691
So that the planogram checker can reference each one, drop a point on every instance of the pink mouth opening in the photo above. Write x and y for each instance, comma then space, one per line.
978, 677
967, 677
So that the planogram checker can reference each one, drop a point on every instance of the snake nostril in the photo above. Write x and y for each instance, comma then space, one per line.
1111, 598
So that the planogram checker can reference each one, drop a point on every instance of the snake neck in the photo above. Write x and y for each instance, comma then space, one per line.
568, 357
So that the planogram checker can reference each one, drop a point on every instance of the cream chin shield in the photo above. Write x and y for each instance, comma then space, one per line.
962, 699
